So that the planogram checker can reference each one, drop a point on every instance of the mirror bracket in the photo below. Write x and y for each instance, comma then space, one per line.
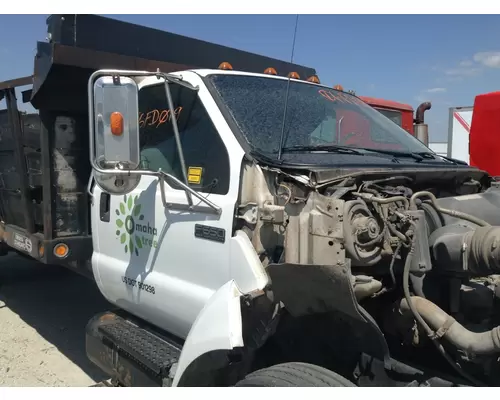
162, 176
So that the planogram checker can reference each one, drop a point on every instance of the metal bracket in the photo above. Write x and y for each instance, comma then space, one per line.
248, 212
163, 176
272, 214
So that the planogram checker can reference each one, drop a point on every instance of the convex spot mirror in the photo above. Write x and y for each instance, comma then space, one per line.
116, 122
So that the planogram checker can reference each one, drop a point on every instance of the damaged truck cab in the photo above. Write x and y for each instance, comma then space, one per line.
249, 237
251, 226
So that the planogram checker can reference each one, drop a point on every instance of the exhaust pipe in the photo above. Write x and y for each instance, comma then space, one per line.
421, 109
421, 129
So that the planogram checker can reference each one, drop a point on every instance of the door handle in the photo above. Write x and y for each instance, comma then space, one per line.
104, 203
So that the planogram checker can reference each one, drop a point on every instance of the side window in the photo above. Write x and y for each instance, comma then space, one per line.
205, 154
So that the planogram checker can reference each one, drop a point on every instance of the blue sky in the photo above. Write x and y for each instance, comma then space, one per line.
408, 58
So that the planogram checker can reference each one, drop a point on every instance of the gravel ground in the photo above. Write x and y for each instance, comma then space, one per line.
43, 313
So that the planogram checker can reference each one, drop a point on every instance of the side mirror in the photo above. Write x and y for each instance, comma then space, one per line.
115, 105
114, 133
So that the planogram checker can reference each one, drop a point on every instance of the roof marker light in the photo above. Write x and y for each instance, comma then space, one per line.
313, 79
225, 66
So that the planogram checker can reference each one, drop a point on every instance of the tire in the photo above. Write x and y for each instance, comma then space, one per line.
294, 374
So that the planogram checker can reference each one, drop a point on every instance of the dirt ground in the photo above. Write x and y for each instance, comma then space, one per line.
43, 313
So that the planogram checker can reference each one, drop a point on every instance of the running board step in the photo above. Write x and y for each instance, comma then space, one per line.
130, 353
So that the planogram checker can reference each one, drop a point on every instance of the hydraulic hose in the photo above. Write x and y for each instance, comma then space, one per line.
453, 213
382, 200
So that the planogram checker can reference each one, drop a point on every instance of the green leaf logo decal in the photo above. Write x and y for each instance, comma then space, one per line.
125, 224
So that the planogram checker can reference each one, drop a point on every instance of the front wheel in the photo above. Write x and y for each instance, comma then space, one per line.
294, 374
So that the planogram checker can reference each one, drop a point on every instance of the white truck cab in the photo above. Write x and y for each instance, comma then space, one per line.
235, 224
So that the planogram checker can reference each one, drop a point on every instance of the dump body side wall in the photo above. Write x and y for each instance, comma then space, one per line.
44, 170
122, 38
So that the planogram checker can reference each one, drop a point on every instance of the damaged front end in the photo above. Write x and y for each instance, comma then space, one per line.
372, 252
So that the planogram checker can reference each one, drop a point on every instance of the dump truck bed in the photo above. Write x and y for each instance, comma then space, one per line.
44, 156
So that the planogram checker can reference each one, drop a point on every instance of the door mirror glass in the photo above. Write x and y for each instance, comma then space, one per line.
116, 123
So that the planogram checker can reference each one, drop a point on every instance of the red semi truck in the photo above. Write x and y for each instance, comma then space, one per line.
471, 139
484, 145
400, 113
403, 115
471, 135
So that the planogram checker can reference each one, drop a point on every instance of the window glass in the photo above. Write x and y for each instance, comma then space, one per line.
393, 115
314, 115
205, 154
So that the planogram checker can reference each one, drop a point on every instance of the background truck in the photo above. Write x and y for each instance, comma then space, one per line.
244, 238
472, 133
403, 115
399, 113
484, 145
459, 127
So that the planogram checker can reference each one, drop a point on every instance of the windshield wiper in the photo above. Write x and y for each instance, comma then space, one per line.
331, 148
427, 154
454, 160
415, 155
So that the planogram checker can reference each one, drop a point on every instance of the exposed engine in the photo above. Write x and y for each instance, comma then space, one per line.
423, 258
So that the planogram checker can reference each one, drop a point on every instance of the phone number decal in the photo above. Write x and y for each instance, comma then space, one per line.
140, 285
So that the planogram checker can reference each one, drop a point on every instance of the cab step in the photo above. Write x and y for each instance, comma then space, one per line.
130, 351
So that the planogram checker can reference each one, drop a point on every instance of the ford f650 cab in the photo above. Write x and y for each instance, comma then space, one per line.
246, 240
244, 217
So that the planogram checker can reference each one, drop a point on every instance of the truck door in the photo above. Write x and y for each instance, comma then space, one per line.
164, 263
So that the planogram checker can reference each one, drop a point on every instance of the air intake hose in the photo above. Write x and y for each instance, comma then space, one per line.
463, 250
446, 326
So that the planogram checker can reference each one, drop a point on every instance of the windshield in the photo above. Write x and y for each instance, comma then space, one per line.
315, 115
393, 115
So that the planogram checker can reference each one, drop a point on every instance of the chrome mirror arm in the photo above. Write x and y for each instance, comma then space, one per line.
162, 176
